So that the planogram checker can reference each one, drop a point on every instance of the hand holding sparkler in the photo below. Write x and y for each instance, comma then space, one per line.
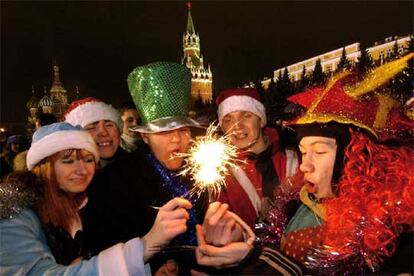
171, 221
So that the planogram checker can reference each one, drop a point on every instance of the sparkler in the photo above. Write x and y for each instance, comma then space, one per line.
209, 161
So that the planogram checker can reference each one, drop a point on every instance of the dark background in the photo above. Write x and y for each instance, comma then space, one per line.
96, 44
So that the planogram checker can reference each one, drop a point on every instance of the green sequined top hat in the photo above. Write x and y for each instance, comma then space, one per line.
161, 92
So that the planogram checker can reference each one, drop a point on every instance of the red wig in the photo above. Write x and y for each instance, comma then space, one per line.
375, 201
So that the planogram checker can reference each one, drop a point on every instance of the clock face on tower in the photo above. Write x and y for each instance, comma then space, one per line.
195, 60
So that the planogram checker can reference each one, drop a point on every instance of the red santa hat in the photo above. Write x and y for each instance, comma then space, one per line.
89, 110
240, 99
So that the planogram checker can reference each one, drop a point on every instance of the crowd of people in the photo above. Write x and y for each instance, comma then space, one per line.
101, 192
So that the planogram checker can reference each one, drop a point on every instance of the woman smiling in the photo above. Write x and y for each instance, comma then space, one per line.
41, 227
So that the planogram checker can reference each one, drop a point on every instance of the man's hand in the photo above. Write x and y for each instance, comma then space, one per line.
220, 228
220, 257
171, 221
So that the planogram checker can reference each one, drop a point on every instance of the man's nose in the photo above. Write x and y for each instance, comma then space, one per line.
238, 124
306, 166
175, 136
103, 131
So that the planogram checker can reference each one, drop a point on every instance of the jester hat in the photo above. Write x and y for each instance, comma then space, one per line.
347, 100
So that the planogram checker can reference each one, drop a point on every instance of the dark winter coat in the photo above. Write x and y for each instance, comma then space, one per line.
123, 200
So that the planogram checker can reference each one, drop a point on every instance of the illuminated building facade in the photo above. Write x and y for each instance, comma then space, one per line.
329, 61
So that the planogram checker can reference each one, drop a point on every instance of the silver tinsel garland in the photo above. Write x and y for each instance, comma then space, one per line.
14, 197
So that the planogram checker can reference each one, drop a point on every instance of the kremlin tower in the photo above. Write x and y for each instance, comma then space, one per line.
58, 95
202, 78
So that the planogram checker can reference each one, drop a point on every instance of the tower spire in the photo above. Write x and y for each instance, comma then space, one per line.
190, 24
56, 79
201, 81
58, 94
32, 103
77, 94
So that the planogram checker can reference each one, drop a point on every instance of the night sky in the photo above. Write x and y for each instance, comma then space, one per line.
96, 44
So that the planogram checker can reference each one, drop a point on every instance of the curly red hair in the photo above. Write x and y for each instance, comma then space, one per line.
375, 201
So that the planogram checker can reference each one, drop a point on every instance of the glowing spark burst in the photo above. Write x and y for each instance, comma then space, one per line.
209, 161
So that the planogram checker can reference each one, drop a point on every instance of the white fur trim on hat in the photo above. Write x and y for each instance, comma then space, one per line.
241, 103
91, 112
58, 141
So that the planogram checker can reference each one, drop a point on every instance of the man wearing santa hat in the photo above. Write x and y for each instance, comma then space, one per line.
249, 189
103, 122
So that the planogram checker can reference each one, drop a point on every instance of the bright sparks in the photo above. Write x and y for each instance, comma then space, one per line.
209, 161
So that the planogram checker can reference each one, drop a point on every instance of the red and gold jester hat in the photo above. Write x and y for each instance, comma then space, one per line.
347, 100
374, 202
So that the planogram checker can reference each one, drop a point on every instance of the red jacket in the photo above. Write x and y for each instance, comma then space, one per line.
236, 196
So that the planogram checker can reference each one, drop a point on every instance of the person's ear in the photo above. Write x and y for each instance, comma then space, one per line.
262, 123
145, 137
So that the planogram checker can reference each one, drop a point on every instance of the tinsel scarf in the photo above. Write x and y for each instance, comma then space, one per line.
176, 188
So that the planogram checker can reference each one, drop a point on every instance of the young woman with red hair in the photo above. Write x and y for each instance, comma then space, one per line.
40, 223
